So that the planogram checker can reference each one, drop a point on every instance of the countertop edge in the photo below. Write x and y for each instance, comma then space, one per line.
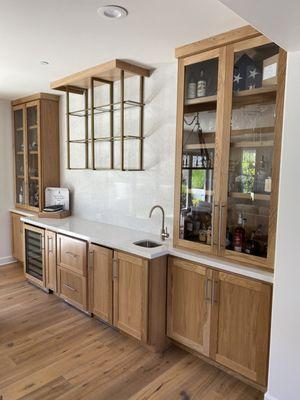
167, 249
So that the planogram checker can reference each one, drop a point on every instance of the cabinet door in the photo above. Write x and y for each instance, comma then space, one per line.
17, 237
50, 262
242, 311
249, 198
72, 287
33, 172
131, 295
189, 304
200, 124
35, 254
71, 254
20, 140
100, 282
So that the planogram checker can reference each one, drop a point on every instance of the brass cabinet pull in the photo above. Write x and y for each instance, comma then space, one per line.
70, 287
115, 268
222, 206
50, 250
215, 296
215, 206
208, 289
69, 253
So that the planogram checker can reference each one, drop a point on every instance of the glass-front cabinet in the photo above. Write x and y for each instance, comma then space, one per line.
26, 136
230, 103
36, 147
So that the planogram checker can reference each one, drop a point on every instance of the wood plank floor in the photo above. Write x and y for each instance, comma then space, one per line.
50, 351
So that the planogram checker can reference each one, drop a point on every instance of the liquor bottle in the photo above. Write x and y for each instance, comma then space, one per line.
21, 195
239, 235
260, 176
208, 235
252, 246
201, 85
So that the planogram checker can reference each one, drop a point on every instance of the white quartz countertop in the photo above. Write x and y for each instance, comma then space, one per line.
120, 238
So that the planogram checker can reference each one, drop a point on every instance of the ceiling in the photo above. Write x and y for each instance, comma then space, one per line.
71, 36
278, 20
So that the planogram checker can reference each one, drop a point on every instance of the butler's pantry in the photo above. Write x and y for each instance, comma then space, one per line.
148, 201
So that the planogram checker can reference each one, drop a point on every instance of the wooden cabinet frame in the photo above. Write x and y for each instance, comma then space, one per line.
224, 46
47, 106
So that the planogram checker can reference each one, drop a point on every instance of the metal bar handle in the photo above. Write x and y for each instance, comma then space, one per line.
70, 287
207, 295
215, 297
50, 250
91, 259
72, 254
115, 268
222, 206
215, 206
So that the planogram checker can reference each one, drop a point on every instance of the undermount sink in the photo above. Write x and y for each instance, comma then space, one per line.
147, 243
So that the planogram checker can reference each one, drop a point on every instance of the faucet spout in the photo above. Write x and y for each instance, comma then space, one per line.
164, 231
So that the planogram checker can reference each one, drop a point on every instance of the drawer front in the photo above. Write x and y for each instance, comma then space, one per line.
72, 254
72, 287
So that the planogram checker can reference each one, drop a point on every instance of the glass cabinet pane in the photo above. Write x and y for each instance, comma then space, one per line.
19, 155
198, 152
33, 152
34, 254
251, 150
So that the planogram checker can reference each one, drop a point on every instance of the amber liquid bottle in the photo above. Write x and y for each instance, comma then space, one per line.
239, 235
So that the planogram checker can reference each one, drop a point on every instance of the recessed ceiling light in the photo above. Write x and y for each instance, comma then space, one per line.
44, 62
112, 11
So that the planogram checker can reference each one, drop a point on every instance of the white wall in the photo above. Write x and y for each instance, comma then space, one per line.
125, 198
284, 373
6, 180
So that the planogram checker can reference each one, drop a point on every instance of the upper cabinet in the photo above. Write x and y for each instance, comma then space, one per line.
230, 102
36, 148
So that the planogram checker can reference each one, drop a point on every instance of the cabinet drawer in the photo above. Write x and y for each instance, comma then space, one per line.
71, 254
72, 287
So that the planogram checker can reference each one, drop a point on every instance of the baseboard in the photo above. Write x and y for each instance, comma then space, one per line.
7, 260
269, 397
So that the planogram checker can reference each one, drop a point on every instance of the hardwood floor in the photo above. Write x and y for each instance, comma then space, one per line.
50, 351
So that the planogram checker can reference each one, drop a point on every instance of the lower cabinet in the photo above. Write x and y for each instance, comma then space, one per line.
131, 295
101, 282
221, 315
72, 287
242, 309
72, 271
129, 292
189, 308
17, 237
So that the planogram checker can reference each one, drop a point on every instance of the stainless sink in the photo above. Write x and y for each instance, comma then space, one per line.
147, 243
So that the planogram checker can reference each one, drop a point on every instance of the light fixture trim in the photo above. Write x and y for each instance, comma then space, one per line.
112, 11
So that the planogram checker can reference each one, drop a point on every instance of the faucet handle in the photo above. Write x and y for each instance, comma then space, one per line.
164, 233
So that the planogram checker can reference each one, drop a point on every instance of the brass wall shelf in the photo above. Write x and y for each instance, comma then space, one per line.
84, 83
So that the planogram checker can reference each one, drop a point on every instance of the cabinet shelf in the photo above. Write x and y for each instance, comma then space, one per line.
106, 108
250, 143
201, 100
107, 139
250, 196
259, 131
20, 176
34, 178
32, 126
20, 153
33, 152
199, 146
19, 129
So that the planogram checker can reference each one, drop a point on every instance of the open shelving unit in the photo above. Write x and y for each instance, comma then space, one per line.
84, 83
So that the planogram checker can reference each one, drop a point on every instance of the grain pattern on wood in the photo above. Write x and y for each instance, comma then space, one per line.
50, 351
